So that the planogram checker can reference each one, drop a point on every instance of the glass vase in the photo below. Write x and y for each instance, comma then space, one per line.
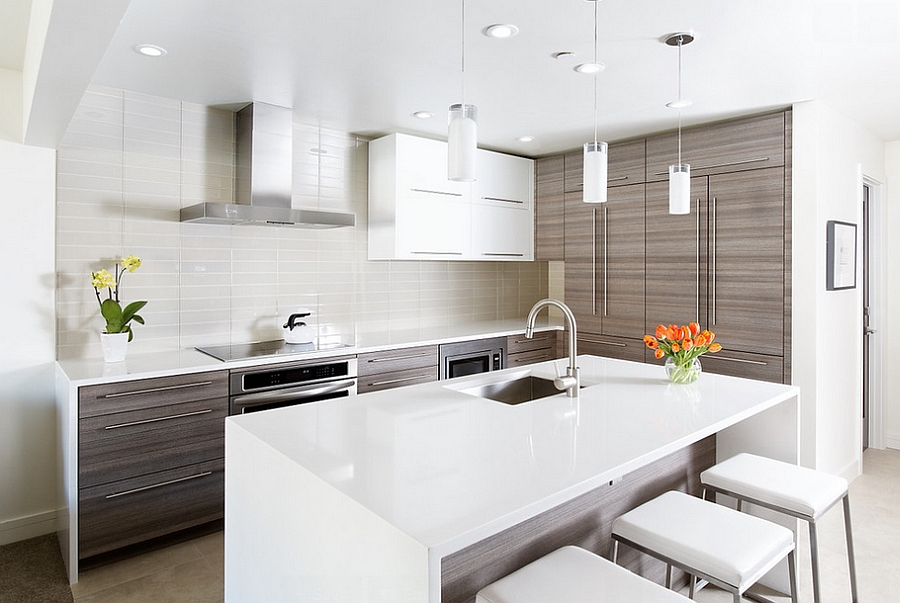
683, 372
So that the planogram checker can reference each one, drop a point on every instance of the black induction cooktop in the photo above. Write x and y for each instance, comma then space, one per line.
262, 349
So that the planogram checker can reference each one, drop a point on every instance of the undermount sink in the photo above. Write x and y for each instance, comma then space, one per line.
516, 391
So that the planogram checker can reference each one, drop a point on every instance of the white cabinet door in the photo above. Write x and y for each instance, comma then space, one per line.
502, 233
505, 180
422, 167
432, 227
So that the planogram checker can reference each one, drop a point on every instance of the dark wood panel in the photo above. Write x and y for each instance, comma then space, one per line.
676, 258
745, 144
746, 260
105, 524
585, 521
611, 347
135, 395
385, 361
531, 357
620, 269
549, 220
738, 364
393, 379
788, 241
581, 260
116, 458
626, 164
153, 418
541, 340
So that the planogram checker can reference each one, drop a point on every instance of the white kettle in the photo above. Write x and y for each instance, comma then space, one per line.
297, 331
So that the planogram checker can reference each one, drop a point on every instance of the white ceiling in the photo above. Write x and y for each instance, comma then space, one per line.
365, 66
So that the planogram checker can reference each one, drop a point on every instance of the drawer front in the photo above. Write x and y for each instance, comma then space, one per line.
612, 347
531, 357
134, 510
738, 364
138, 450
373, 363
542, 340
146, 393
379, 381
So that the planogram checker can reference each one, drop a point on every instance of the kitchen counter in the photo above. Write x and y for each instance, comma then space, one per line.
91, 371
353, 499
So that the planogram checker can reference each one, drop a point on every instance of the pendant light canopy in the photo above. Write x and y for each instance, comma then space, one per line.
462, 132
680, 173
595, 153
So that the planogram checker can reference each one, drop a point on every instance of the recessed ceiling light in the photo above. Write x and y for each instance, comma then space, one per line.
525, 138
423, 114
590, 67
501, 30
565, 54
149, 50
680, 104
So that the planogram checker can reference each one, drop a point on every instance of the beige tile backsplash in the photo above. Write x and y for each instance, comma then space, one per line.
129, 162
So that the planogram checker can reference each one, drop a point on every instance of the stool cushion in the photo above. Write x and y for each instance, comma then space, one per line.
798, 489
574, 575
733, 547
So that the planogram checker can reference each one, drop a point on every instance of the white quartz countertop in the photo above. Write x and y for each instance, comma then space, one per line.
448, 468
89, 371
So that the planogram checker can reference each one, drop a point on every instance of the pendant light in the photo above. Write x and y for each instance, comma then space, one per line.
595, 153
462, 132
679, 173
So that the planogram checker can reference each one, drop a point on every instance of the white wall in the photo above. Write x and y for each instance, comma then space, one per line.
831, 155
890, 327
27, 342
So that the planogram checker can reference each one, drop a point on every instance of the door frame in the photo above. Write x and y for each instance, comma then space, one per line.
877, 262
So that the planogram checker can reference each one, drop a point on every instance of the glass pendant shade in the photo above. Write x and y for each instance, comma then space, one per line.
595, 166
462, 143
680, 189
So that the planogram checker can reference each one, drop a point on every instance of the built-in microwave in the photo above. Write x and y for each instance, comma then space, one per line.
472, 357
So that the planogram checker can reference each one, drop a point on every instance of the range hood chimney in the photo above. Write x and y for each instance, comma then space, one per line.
264, 174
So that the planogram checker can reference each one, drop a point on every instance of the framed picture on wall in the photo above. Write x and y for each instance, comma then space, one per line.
841, 256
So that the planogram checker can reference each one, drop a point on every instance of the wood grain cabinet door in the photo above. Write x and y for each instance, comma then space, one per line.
746, 260
549, 209
620, 266
676, 258
581, 262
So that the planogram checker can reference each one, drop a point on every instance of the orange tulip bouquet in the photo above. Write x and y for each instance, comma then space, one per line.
682, 346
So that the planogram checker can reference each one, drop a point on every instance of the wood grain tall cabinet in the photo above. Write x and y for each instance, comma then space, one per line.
630, 265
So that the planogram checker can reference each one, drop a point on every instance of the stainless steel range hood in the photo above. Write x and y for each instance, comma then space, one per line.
264, 177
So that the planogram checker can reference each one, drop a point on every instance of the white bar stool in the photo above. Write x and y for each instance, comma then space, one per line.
796, 491
574, 575
727, 548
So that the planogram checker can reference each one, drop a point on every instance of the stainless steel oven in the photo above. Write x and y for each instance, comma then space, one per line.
268, 387
472, 357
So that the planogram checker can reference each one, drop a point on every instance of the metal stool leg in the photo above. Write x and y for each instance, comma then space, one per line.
792, 572
850, 556
814, 557
614, 553
669, 576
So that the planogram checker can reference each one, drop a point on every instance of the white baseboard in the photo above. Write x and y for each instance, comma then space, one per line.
23, 528
892, 442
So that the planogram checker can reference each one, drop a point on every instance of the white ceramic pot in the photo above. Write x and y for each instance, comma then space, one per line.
295, 330
115, 346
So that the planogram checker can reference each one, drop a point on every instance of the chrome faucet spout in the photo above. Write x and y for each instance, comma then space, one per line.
570, 382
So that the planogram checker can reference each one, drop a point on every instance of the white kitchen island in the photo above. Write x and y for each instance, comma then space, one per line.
360, 499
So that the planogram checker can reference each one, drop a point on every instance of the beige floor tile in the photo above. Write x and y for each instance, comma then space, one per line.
192, 582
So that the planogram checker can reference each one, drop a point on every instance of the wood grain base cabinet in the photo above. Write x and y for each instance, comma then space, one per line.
150, 459
521, 351
395, 368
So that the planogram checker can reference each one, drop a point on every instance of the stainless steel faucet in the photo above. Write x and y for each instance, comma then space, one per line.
570, 382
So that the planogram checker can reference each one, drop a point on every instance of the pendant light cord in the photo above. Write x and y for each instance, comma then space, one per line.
679, 101
462, 37
596, 73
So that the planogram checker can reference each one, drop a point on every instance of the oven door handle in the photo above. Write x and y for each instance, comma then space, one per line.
293, 393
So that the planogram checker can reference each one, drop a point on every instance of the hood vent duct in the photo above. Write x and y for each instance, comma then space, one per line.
264, 177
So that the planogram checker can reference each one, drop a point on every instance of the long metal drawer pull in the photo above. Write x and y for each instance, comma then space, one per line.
715, 242
698, 259
614, 343
399, 380
760, 363
593, 261
430, 192
159, 485
504, 255
605, 260
721, 165
503, 200
157, 419
154, 390
619, 178
437, 252
408, 357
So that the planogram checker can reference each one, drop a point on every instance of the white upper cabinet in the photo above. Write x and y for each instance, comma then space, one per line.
416, 213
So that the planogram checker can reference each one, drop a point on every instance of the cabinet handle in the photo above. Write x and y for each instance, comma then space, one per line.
597, 341
157, 419
154, 390
436, 252
713, 166
593, 261
503, 200
698, 259
504, 255
605, 259
715, 223
159, 485
757, 362
431, 192
399, 380
619, 178
407, 357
